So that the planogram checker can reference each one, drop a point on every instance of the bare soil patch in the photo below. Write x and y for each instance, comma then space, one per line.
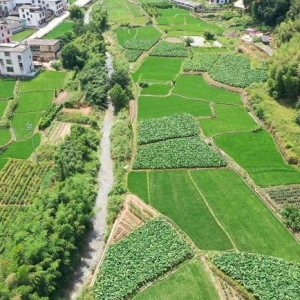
82, 110
62, 97
174, 39
58, 131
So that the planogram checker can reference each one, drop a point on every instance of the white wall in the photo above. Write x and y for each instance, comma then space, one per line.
5, 34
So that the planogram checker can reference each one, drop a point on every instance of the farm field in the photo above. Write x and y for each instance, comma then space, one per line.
19, 123
7, 88
20, 36
5, 136
3, 161
59, 30
229, 119
3, 105
22, 149
258, 155
168, 69
36, 101
190, 282
194, 86
46, 80
173, 194
156, 89
154, 107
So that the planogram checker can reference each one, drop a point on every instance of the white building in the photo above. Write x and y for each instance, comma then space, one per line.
5, 33
32, 16
14, 23
56, 6
15, 60
7, 5
219, 1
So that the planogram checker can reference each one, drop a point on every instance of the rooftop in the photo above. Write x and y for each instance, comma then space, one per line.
12, 18
13, 47
42, 42
187, 3
30, 7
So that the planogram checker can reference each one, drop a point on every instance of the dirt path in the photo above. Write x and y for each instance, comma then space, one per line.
95, 243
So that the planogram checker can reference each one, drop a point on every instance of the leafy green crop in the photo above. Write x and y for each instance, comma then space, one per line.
133, 55
235, 70
267, 277
169, 50
172, 126
189, 152
143, 255
140, 44
200, 63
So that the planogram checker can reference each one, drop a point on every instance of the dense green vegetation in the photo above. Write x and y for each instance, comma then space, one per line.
133, 55
267, 277
156, 89
173, 126
140, 44
7, 88
57, 32
130, 261
3, 105
190, 152
5, 136
200, 63
189, 282
169, 50
20, 36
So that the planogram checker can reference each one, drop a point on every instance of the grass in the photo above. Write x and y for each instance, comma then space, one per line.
153, 107
148, 71
46, 80
20, 121
20, 36
258, 155
148, 32
173, 194
21, 150
194, 86
7, 88
5, 136
156, 89
190, 282
3, 161
208, 50
59, 30
248, 221
37, 101
3, 105
137, 184
229, 118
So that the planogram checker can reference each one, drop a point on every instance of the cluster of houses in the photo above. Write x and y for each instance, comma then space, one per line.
18, 59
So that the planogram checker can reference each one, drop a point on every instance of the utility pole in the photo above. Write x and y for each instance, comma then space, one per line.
29, 129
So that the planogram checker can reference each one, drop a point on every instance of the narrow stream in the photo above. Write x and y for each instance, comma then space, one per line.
95, 241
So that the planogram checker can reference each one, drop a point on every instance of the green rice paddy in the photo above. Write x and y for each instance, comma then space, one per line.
7, 88
156, 89
3, 105
20, 36
36, 101
5, 136
59, 30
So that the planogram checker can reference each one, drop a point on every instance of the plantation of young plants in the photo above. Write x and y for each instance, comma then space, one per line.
172, 126
235, 70
20, 181
138, 258
288, 195
133, 55
266, 277
140, 44
169, 50
200, 63
189, 152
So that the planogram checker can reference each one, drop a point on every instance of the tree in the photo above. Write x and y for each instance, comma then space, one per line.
66, 38
118, 97
121, 77
98, 18
72, 57
188, 41
209, 35
76, 12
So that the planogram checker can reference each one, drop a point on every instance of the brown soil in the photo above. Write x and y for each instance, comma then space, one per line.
82, 110
62, 97
134, 214
174, 40
61, 130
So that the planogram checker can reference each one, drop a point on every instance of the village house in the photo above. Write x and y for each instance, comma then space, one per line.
15, 60
32, 16
7, 5
5, 33
56, 6
14, 23
218, 2
44, 49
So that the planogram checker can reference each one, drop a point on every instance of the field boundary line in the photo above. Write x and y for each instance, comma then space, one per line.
211, 211
148, 187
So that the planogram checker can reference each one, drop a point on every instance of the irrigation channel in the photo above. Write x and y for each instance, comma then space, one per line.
95, 243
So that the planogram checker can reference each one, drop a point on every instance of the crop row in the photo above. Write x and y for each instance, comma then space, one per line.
140, 44
285, 195
143, 255
235, 70
190, 152
20, 181
169, 50
172, 126
267, 277
200, 63
133, 55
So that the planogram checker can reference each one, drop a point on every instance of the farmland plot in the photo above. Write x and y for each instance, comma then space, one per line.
138, 185
248, 221
169, 50
229, 119
36, 101
59, 30
191, 282
3, 105
258, 155
130, 261
200, 63
156, 89
58, 131
140, 44
133, 55
20, 181
5, 136
154, 107
7, 88
194, 86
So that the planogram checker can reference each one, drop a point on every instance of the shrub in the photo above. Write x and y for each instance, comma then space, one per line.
297, 119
